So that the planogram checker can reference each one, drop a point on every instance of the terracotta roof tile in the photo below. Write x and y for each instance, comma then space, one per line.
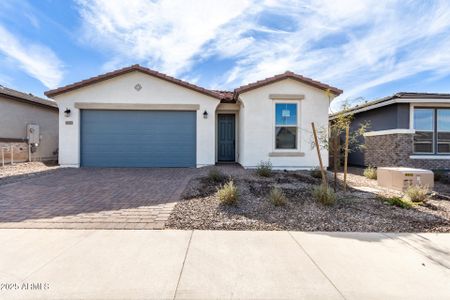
285, 75
125, 70
224, 96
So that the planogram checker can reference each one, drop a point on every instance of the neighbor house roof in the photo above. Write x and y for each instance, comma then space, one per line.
26, 98
401, 97
129, 69
224, 96
286, 75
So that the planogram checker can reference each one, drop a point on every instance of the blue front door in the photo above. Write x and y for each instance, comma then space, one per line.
125, 138
226, 140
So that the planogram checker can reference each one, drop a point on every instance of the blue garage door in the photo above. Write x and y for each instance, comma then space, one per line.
118, 138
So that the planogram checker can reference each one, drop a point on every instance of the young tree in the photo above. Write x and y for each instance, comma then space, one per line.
330, 138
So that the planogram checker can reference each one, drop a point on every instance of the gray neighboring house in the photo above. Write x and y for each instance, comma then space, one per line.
406, 129
17, 112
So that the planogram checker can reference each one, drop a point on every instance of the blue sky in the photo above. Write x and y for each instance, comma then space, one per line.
369, 48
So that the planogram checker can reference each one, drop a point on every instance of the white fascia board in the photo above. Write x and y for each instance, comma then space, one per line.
390, 131
445, 102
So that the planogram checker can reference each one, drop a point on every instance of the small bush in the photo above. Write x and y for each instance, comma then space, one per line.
324, 195
215, 175
370, 172
416, 193
228, 193
316, 173
277, 197
399, 202
264, 169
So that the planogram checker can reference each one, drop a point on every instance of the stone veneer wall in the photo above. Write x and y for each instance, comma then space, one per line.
394, 150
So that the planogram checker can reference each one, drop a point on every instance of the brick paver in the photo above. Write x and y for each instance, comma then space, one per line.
93, 199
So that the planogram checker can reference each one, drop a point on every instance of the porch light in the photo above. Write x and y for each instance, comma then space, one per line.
67, 112
205, 115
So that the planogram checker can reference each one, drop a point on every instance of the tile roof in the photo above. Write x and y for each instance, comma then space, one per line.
125, 70
224, 96
285, 75
28, 98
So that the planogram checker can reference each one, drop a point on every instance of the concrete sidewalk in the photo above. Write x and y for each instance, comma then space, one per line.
96, 264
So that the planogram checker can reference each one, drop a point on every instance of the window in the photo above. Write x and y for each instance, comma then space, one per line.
285, 126
432, 130
443, 131
424, 126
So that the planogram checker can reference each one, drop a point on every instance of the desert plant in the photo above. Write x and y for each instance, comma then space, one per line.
399, 202
370, 172
416, 193
277, 197
324, 194
228, 193
264, 169
215, 175
316, 173
333, 138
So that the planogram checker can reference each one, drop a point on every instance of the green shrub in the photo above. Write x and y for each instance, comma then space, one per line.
416, 193
316, 173
399, 202
324, 194
228, 193
277, 197
215, 175
370, 172
264, 169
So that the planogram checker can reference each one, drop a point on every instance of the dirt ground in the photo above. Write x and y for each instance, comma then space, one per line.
18, 171
362, 208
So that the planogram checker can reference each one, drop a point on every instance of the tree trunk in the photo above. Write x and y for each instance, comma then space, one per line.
347, 133
334, 141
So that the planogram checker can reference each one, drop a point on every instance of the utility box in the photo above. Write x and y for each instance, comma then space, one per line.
401, 178
33, 134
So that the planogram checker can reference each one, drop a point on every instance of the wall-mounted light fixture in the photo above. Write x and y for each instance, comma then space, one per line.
205, 115
67, 112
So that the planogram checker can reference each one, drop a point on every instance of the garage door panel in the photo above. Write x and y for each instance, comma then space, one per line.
138, 138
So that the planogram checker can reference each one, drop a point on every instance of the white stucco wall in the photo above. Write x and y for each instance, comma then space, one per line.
257, 125
121, 90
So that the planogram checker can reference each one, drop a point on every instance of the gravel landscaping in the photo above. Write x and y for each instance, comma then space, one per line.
362, 208
19, 171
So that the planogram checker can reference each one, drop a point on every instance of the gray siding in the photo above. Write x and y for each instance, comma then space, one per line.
383, 118
14, 117
138, 138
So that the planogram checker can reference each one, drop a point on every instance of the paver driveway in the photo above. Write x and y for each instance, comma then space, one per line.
93, 199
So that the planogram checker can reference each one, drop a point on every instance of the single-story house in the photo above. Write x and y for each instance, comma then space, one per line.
137, 117
27, 120
406, 129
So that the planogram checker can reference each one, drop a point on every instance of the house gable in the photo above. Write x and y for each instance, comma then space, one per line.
133, 68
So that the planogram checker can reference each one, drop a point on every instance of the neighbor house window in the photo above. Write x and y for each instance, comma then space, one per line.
432, 130
424, 126
286, 126
443, 130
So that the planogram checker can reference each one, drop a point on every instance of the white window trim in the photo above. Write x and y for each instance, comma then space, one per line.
437, 132
435, 107
411, 121
435, 156
274, 125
